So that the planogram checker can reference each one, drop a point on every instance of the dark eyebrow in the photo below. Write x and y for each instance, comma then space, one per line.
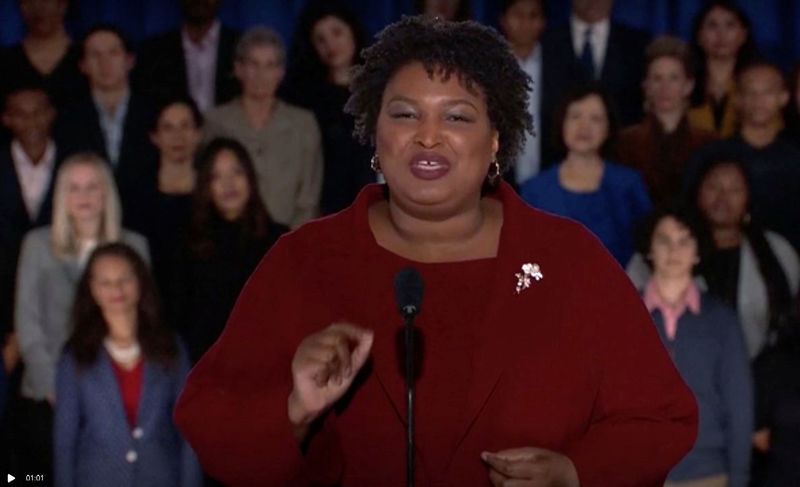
449, 103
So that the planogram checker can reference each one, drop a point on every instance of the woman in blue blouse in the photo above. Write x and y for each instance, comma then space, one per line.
585, 186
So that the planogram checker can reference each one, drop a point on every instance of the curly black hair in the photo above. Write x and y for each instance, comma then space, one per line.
477, 54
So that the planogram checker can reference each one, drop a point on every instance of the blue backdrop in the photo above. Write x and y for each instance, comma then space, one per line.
774, 21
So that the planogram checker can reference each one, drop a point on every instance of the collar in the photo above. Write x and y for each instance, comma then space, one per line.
691, 299
654, 124
209, 40
21, 157
600, 30
119, 112
535, 56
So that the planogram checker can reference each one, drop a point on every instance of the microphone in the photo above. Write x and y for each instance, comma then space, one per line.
408, 288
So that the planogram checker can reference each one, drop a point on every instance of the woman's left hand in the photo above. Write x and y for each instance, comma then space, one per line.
530, 467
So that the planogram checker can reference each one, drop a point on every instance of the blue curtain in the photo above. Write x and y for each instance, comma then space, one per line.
774, 21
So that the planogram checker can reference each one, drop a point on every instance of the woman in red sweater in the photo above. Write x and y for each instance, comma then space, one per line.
539, 362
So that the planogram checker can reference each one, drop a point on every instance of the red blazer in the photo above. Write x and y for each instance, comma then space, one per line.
572, 364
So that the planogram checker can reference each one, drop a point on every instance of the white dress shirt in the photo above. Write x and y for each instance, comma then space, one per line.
598, 40
529, 161
112, 124
201, 66
34, 179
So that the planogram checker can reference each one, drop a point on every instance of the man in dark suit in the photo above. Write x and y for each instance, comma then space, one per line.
523, 23
113, 121
28, 164
603, 50
195, 60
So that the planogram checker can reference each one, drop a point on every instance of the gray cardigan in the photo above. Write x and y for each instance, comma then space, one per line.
45, 291
752, 300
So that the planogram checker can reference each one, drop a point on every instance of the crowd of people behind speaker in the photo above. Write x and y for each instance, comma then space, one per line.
218, 141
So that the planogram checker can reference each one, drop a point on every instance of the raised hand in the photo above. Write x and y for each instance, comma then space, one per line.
323, 368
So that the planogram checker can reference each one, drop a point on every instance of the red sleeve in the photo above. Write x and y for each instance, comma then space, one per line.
645, 417
233, 410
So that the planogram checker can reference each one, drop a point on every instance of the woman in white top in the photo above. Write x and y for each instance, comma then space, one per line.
86, 212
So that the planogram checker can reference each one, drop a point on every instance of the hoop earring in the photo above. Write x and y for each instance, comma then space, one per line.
494, 171
375, 163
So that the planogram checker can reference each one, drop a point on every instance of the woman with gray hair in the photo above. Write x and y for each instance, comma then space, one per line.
283, 140
86, 213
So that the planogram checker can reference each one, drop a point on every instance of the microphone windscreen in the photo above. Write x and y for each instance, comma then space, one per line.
408, 288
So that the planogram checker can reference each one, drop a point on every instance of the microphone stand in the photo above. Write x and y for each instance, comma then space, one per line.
408, 318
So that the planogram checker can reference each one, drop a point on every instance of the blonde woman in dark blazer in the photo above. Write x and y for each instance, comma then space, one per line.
86, 212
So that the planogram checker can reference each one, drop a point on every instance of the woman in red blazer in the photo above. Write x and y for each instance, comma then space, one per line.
540, 365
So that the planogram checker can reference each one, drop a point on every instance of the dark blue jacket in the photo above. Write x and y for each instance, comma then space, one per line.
709, 352
95, 446
610, 212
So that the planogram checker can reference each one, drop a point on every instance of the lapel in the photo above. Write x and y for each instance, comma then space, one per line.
147, 409
129, 129
107, 381
224, 83
179, 67
72, 270
11, 189
564, 41
94, 131
614, 62
558, 204
147, 396
46, 210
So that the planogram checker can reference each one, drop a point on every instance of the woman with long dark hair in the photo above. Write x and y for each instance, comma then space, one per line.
229, 233
753, 269
326, 45
164, 205
118, 381
722, 44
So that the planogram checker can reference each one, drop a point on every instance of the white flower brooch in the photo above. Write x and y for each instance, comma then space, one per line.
529, 272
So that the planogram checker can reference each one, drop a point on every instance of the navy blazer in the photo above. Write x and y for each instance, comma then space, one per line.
14, 217
14, 223
622, 73
78, 130
95, 446
160, 70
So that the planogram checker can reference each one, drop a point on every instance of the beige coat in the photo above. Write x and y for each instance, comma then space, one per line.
286, 152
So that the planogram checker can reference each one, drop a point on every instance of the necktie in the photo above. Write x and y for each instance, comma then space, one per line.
587, 57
